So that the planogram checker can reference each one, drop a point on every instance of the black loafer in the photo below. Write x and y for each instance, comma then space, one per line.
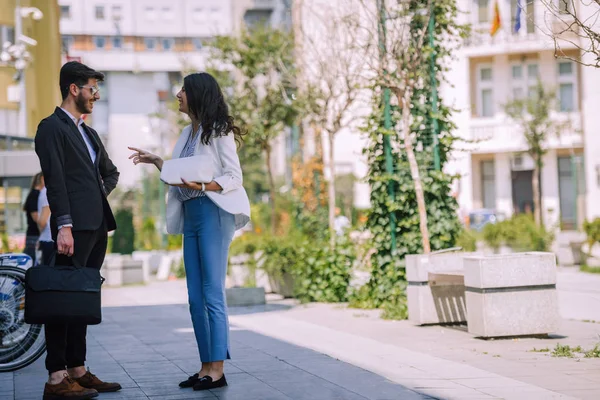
190, 382
206, 383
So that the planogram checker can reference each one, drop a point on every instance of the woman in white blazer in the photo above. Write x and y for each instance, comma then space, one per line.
208, 214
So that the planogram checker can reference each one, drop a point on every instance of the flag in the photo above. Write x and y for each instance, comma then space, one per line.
496, 23
518, 17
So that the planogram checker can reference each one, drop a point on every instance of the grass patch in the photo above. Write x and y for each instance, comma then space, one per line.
544, 350
571, 352
593, 353
590, 270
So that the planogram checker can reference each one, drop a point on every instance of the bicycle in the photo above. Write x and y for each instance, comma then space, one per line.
20, 344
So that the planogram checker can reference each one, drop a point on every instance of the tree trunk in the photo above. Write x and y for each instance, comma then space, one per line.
414, 171
331, 193
537, 198
272, 194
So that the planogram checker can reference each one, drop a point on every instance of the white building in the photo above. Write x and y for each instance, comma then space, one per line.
142, 46
490, 72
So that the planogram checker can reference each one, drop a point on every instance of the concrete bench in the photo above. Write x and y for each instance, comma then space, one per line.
497, 295
436, 290
511, 294
122, 270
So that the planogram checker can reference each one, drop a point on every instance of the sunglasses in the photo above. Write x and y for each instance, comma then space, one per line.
93, 89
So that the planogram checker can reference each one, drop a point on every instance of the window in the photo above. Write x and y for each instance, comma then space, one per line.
567, 96
488, 184
150, 43
530, 16
7, 34
485, 93
99, 42
65, 12
117, 42
483, 12
67, 42
167, 43
524, 80
197, 43
168, 14
100, 12
117, 12
197, 14
150, 13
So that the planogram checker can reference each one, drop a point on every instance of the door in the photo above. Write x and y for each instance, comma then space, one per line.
567, 188
522, 192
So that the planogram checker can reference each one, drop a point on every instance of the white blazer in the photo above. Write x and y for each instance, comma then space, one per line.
228, 174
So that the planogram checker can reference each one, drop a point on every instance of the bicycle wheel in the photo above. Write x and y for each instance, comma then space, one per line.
20, 343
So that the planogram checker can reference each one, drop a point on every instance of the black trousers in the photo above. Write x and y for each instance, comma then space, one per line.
47, 249
66, 343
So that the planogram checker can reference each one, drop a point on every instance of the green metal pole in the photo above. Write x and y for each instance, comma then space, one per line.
387, 123
434, 91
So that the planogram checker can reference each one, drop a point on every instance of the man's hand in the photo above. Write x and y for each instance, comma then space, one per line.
64, 242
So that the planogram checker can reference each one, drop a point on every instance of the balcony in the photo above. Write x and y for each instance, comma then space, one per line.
482, 44
500, 135
263, 4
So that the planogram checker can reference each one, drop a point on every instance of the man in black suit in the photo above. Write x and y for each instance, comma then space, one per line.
79, 175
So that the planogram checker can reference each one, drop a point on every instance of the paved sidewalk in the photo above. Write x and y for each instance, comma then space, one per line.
322, 351
150, 349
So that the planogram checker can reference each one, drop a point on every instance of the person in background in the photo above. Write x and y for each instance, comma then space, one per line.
45, 243
31, 211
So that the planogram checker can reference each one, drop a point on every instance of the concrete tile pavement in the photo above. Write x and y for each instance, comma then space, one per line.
286, 351
150, 349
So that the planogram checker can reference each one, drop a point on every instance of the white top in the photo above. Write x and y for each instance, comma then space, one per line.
79, 124
45, 235
228, 174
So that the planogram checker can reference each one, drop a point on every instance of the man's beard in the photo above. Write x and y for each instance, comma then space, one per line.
83, 105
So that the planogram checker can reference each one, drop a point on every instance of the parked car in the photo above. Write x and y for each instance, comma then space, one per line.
481, 217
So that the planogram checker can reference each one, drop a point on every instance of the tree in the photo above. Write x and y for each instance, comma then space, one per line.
576, 24
263, 90
336, 70
385, 288
401, 37
533, 116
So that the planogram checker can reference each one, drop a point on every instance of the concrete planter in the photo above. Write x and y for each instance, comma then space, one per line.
242, 297
436, 291
511, 295
122, 270
282, 284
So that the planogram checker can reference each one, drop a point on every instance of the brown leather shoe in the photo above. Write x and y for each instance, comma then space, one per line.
68, 389
91, 381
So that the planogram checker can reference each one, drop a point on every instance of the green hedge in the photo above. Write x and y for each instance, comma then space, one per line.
319, 273
520, 233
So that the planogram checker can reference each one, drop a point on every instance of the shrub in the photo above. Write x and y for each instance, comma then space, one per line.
322, 274
124, 236
467, 240
520, 233
592, 232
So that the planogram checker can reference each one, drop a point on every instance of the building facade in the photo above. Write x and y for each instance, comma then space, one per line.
18, 161
489, 72
143, 47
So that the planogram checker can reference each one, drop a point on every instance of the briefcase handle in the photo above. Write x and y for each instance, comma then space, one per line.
76, 264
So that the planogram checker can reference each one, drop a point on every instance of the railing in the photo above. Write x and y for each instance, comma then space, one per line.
482, 37
496, 136
264, 4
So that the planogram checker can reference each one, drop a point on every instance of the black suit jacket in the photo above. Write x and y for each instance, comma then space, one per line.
76, 187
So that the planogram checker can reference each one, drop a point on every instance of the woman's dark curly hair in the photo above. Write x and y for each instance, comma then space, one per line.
206, 103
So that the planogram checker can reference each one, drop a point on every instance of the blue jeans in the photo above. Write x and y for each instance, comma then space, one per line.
207, 234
